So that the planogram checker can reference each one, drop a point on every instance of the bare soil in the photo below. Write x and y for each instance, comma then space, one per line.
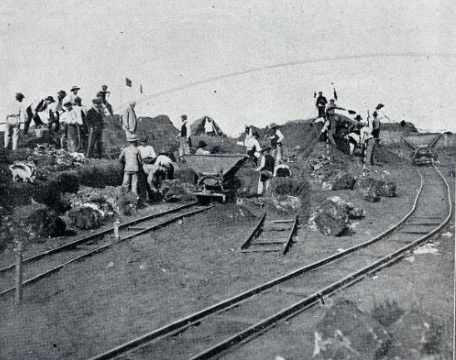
154, 279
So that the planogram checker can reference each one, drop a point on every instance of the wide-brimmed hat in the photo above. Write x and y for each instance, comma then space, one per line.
75, 88
358, 117
50, 98
132, 138
379, 106
202, 144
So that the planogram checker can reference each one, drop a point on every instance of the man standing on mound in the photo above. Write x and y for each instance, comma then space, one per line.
130, 121
94, 121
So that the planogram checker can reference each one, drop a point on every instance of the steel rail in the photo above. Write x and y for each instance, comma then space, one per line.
104, 247
97, 235
255, 231
313, 299
189, 320
290, 236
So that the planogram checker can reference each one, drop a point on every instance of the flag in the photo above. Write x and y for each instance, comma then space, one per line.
140, 89
315, 94
128, 82
335, 94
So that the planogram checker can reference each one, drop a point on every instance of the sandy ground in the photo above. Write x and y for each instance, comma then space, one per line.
138, 286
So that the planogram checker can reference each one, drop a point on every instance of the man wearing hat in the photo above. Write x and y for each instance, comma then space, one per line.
184, 137
354, 134
94, 121
320, 103
129, 120
276, 142
331, 116
131, 157
103, 95
73, 94
71, 124
15, 114
34, 109
266, 170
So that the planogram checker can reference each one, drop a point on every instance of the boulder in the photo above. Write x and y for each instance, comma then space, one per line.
343, 181
386, 188
332, 217
38, 220
346, 333
415, 336
85, 217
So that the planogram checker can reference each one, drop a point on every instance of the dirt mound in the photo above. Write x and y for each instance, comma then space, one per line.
159, 130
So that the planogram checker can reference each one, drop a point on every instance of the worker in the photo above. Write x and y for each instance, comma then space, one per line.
73, 94
33, 111
147, 152
71, 124
331, 117
81, 112
103, 95
266, 170
15, 115
276, 142
209, 127
368, 141
184, 137
201, 150
165, 161
130, 156
95, 123
376, 126
129, 120
320, 103
354, 135
252, 145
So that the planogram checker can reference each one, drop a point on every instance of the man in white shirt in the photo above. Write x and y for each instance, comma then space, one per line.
209, 126
252, 145
276, 142
71, 124
15, 114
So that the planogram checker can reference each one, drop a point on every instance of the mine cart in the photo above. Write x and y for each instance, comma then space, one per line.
216, 174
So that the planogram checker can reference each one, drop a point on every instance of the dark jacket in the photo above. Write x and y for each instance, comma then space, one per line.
94, 119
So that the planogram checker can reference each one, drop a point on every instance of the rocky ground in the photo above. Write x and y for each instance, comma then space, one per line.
138, 286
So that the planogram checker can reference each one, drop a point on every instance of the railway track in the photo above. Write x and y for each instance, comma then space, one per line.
213, 331
44, 264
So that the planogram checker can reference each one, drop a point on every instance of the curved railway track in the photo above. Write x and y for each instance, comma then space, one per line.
214, 330
46, 263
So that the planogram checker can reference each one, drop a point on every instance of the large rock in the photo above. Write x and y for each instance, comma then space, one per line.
85, 217
415, 336
38, 221
346, 333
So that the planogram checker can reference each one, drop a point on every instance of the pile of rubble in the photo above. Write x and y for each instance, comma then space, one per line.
90, 207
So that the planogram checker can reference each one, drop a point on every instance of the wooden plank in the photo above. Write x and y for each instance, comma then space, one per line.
261, 250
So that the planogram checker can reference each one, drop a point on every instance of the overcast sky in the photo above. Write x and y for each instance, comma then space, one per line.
237, 61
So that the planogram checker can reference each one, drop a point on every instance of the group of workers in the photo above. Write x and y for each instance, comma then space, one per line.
70, 124
363, 134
